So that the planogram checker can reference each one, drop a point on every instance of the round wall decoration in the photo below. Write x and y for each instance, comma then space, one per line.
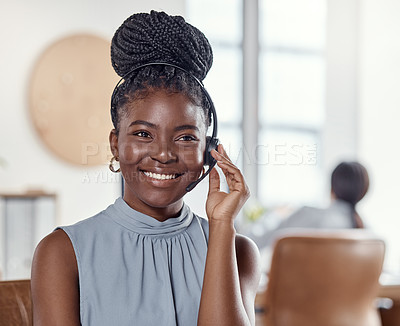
69, 98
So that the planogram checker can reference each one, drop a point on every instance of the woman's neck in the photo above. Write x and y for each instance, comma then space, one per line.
159, 213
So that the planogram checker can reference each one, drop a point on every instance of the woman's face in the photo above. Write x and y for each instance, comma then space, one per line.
160, 146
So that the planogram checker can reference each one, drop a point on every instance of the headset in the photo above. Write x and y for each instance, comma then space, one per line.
211, 141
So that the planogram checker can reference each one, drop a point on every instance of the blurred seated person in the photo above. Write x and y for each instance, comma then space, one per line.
349, 184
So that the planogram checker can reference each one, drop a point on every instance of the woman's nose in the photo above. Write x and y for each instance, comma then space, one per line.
163, 152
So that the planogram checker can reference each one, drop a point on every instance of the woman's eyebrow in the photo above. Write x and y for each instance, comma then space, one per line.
143, 122
152, 125
184, 127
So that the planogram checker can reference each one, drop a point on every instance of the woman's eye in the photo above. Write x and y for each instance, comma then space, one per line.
187, 138
142, 134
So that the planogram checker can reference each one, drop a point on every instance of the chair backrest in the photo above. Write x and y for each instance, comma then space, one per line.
325, 278
15, 303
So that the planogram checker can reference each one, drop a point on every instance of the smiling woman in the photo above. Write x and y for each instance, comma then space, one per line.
147, 259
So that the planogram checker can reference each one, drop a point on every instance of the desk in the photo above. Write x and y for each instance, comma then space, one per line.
391, 291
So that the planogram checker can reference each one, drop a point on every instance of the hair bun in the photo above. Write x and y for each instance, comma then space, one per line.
158, 37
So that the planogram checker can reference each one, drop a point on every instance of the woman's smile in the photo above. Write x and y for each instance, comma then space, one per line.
159, 176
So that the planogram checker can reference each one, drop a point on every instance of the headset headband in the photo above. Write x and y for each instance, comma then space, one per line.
212, 108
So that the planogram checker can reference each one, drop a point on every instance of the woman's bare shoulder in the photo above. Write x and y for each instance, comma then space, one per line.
247, 254
55, 248
54, 257
57, 237
55, 272
248, 260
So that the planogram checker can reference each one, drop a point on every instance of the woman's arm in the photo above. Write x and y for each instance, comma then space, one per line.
54, 282
232, 271
249, 268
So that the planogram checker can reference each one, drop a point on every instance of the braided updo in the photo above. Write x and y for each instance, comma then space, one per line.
159, 38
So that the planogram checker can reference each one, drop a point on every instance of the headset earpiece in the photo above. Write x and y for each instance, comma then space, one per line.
211, 143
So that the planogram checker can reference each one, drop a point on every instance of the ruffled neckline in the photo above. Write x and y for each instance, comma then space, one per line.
141, 223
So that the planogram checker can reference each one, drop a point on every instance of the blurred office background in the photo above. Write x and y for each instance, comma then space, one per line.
299, 85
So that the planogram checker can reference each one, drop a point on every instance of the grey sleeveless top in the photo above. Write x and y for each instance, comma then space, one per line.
135, 270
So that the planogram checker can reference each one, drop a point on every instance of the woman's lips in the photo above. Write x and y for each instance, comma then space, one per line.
161, 176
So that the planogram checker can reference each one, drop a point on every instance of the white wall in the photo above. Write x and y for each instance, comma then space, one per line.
26, 29
379, 118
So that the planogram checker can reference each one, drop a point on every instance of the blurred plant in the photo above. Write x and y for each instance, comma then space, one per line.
254, 211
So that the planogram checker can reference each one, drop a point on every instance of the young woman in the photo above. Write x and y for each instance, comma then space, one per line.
147, 259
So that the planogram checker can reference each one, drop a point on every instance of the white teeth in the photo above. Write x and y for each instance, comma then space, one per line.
159, 176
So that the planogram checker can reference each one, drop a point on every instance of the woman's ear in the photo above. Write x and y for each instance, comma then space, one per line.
113, 138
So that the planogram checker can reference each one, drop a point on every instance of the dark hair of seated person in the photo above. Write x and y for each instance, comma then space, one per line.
350, 183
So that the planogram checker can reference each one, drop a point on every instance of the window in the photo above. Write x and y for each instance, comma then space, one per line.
291, 100
222, 26
290, 86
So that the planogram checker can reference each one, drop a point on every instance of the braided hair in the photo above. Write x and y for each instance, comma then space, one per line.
350, 183
159, 38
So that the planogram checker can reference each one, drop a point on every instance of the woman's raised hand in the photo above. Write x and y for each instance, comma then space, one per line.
222, 206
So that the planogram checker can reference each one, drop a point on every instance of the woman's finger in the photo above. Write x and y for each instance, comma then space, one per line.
232, 173
223, 153
221, 158
233, 176
214, 181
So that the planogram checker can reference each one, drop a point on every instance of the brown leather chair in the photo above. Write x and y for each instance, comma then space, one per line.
15, 303
324, 279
